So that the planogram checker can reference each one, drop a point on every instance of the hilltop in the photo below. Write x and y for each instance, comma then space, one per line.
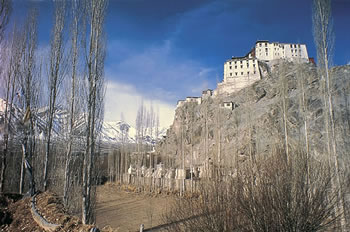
255, 123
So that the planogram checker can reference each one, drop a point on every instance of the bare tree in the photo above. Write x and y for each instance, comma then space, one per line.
303, 108
95, 54
76, 12
284, 92
324, 40
5, 12
11, 73
56, 74
123, 151
140, 122
29, 85
275, 196
157, 124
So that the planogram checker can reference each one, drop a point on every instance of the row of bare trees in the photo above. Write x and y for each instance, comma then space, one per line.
73, 71
147, 130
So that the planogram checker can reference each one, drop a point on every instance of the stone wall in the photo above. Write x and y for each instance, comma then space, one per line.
161, 184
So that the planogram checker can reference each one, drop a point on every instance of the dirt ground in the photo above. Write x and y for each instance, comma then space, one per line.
126, 210
16, 216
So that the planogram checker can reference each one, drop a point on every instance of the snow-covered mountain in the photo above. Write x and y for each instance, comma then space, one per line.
118, 132
112, 132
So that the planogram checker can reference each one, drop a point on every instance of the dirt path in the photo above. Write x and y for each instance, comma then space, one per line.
126, 211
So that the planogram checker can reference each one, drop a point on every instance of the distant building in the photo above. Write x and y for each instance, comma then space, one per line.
207, 93
266, 51
180, 103
240, 72
198, 100
229, 105
241, 67
312, 60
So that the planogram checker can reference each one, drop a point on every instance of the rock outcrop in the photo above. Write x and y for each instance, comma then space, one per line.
224, 136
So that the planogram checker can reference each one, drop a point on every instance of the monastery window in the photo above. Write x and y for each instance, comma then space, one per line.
291, 45
248, 73
266, 49
254, 72
265, 44
254, 65
231, 74
260, 44
235, 66
235, 62
241, 62
266, 54
241, 66
236, 73
230, 62
230, 67
247, 65
241, 73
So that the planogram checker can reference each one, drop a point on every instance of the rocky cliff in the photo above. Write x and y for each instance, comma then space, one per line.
255, 124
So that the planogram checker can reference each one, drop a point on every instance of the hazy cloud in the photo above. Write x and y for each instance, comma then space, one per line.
124, 98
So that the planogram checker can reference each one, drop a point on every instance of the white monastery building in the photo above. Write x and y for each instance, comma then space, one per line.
240, 72
266, 51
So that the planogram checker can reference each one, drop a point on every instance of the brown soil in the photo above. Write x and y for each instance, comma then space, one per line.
48, 205
119, 208
122, 209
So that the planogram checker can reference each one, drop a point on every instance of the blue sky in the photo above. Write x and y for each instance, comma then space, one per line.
164, 50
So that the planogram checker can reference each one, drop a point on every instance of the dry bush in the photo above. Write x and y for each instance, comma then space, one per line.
212, 211
270, 195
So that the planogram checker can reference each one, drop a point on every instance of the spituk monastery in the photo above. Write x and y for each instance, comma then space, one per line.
240, 72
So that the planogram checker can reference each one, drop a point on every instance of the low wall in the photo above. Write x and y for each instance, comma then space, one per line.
161, 184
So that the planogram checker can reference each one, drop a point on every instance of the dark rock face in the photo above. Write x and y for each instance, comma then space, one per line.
257, 124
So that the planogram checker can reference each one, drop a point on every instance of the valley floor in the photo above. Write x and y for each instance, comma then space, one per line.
126, 211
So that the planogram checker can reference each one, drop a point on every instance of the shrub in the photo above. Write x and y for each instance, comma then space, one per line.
271, 194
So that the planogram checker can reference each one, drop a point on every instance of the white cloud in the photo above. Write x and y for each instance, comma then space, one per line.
159, 72
124, 98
